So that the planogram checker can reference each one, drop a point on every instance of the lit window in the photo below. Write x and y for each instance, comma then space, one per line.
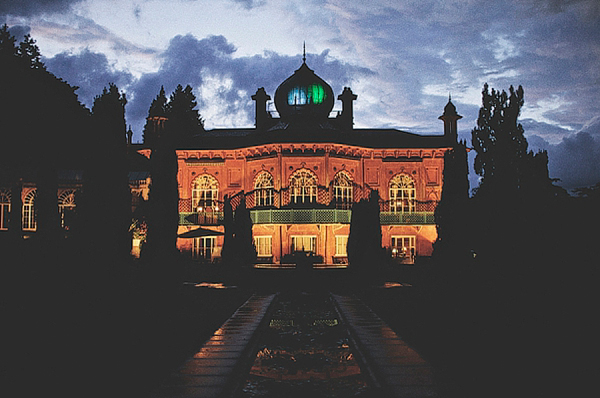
66, 207
304, 243
29, 223
205, 193
302, 95
303, 186
342, 190
263, 189
204, 247
341, 245
403, 247
4, 208
264, 245
402, 194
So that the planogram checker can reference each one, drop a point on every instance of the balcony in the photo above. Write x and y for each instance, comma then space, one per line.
203, 218
308, 216
413, 218
300, 216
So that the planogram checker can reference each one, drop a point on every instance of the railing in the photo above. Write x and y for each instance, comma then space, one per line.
300, 216
419, 218
307, 216
205, 218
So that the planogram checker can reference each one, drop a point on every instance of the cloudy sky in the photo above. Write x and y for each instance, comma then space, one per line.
401, 57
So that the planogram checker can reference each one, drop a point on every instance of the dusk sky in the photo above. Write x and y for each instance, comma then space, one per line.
402, 58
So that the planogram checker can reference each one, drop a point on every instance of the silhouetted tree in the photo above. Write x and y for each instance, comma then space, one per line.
184, 121
163, 214
228, 249
453, 241
33, 148
107, 198
499, 142
30, 53
515, 183
245, 252
365, 254
158, 108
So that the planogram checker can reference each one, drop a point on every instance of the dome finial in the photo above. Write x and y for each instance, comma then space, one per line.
304, 53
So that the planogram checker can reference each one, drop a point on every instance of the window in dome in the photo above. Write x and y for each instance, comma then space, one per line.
313, 94
316, 93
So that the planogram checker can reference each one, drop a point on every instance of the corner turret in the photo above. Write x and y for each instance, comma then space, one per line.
450, 117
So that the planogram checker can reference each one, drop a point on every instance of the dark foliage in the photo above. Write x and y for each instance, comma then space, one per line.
158, 108
453, 243
228, 250
245, 252
44, 127
184, 120
365, 254
163, 207
515, 187
106, 199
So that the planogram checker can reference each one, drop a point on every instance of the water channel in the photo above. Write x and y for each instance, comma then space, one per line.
305, 350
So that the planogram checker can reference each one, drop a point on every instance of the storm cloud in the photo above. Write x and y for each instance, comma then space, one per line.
34, 7
402, 58
224, 83
89, 71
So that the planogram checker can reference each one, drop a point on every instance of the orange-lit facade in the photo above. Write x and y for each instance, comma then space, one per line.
300, 172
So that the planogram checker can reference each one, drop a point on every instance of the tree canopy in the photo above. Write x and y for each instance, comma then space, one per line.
184, 121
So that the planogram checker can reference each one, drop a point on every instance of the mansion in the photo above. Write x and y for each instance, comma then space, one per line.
301, 172
299, 169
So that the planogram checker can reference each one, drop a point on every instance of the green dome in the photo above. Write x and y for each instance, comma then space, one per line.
304, 94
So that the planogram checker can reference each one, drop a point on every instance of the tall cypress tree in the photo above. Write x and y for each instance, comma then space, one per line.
452, 244
107, 198
364, 240
163, 215
244, 243
184, 120
158, 108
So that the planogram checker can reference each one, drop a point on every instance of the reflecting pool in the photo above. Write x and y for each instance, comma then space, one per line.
305, 351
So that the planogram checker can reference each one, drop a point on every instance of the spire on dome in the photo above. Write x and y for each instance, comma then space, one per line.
304, 53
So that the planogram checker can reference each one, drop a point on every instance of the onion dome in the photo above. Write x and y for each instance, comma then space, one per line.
304, 94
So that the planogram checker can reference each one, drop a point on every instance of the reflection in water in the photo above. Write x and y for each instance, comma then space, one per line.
305, 350
388, 285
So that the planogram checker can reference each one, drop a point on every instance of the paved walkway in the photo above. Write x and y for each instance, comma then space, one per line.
214, 370
393, 364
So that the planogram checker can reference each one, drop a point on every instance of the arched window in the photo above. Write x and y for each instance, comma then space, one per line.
29, 211
402, 194
303, 186
66, 207
4, 208
205, 193
263, 189
342, 190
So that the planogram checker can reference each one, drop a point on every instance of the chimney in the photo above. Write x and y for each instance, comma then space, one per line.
261, 98
346, 117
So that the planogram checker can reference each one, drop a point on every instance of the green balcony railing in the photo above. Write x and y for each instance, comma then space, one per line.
204, 218
307, 216
300, 216
418, 218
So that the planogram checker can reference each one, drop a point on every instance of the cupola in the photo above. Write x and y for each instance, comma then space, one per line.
304, 94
